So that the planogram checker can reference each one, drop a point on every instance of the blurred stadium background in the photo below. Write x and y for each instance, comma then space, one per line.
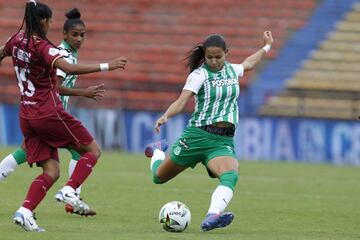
300, 104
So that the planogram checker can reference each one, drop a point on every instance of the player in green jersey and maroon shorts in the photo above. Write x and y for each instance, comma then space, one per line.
74, 34
208, 137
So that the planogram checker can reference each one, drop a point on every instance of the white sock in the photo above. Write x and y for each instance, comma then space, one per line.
67, 189
158, 155
25, 211
220, 199
7, 166
72, 166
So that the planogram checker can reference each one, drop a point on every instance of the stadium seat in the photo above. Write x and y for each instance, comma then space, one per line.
156, 36
327, 84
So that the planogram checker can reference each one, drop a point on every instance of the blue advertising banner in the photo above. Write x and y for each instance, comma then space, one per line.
299, 139
10, 133
315, 141
271, 139
139, 129
105, 125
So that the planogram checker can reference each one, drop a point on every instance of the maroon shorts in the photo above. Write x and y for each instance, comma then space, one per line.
44, 136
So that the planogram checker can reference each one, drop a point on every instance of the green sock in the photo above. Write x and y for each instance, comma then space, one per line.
153, 170
229, 179
19, 155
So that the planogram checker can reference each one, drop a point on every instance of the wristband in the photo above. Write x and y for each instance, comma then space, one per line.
104, 67
266, 48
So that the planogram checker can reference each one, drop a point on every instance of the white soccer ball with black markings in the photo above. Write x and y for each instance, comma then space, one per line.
175, 216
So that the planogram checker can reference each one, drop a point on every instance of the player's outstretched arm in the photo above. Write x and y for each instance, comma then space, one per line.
68, 68
251, 61
175, 108
93, 92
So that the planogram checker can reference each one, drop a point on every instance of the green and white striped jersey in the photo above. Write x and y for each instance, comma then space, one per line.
70, 55
216, 94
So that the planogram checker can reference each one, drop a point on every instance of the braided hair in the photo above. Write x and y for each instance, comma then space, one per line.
35, 12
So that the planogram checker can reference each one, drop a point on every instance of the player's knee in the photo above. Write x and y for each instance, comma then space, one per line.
229, 179
94, 149
157, 180
51, 168
56, 177
97, 152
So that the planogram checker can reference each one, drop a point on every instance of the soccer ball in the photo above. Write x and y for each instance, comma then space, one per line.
175, 216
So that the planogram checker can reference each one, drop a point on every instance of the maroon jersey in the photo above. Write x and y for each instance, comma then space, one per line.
35, 75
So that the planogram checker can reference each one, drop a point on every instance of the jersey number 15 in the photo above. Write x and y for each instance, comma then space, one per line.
27, 89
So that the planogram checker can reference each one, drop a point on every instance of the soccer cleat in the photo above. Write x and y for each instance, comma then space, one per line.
213, 220
28, 223
150, 148
70, 209
71, 198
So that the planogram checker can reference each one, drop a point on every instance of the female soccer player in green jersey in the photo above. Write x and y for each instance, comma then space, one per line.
208, 137
74, 34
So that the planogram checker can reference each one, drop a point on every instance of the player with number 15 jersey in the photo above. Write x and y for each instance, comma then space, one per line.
37, 82
45, 124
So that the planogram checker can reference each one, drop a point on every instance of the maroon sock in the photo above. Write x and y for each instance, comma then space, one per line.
37, 191
82, 170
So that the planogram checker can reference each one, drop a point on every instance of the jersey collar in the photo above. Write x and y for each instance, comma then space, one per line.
68, 47
210, 70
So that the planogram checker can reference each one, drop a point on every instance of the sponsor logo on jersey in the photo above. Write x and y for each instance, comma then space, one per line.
230, 149
28, 103
177, 150
223, 82
53, 51
21, 54
183, 143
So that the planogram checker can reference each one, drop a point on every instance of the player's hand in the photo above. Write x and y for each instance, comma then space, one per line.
95, 92
268, 39
161, 121
117, 63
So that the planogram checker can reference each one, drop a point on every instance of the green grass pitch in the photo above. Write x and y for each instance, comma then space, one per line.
273, 200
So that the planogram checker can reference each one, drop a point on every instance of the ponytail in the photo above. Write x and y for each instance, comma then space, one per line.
195, 57
35, 12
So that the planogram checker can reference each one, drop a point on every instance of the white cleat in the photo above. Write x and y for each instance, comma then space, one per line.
28, 223
71, 198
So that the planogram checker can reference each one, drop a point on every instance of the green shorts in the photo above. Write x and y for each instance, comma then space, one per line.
196, 145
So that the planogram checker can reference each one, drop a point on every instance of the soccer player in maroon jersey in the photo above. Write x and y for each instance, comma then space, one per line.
74, 35
42, 116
